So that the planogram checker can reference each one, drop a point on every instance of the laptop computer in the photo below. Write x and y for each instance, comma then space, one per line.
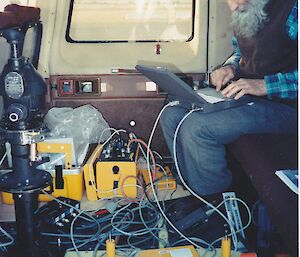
208, 99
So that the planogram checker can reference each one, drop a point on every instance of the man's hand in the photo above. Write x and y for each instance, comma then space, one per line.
222, 76
245, 86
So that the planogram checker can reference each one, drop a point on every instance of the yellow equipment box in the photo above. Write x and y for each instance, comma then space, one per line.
178, 251
67, 178
111, 172
89, 174
162, 181
111, 179
116, 179
70, 186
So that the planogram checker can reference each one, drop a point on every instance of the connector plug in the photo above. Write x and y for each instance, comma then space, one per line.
173, 103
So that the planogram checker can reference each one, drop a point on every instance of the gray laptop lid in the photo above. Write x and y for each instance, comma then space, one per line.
179, 90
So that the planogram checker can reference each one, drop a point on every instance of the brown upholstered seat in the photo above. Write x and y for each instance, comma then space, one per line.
16, 15
260, 156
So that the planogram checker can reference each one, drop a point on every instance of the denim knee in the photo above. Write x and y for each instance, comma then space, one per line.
193, 127
171, 117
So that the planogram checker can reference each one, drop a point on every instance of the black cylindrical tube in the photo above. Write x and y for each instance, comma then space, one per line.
20, 160
26, 241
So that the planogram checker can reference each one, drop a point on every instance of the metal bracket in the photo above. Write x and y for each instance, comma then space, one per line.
24, 137
234, 217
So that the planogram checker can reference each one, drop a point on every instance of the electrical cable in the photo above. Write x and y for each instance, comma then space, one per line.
119, 226
104, 130
3, 158
239, 230
152, 186
142, 219
131, 134
190, 190
72, 234
179, 172
72, 224
11, 239
135, 233
254, 206
159, 156
177, 166
121, 223
148, 152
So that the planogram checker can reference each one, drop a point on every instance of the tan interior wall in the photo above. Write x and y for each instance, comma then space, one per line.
5, 51
61, 57
220, 33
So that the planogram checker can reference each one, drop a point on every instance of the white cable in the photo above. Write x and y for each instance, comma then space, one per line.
180, 175
239, 230
162, 168
140, 146
151, 180
72, 232
159, 156
102, 133
166, 178
11, 239
142, 218
113, 217
141, 232
195, 194
72, 224
3, 158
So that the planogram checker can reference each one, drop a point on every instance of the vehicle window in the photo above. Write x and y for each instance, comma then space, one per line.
130, 20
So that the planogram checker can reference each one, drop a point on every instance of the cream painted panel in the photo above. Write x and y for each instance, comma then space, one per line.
4, 54
48, 17
68, 58
220, 33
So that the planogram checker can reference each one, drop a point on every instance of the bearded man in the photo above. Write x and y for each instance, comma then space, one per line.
264, 64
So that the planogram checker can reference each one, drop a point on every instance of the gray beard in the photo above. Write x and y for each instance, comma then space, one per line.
249, 19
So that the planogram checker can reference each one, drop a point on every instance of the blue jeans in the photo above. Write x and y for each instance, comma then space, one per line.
202, 138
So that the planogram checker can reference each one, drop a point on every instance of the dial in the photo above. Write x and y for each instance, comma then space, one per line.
14, 86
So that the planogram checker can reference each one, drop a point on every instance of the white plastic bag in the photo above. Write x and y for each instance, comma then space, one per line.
84, 124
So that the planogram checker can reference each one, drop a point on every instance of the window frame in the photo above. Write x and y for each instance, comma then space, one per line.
71, 40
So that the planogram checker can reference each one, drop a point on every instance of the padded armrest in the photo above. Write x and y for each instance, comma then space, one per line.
8, 19
25, 14
260, 156
16, 15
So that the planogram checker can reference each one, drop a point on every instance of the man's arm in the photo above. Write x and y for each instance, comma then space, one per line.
285, 85
228, 70
235, 58
282, 85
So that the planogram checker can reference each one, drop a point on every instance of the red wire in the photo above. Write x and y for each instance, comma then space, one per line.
100, 212
148, 149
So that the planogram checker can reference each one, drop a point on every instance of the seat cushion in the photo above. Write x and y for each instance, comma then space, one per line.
260, 156
16, 15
